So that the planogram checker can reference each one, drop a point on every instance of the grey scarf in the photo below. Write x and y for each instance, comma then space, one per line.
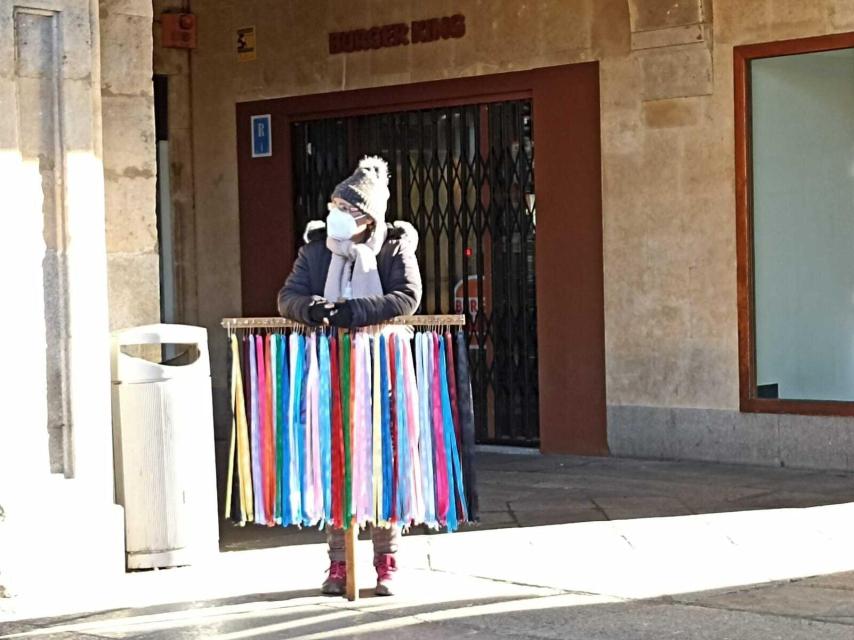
353, 270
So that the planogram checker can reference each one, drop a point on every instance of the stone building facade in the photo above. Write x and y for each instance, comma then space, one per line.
78, 173
668, 181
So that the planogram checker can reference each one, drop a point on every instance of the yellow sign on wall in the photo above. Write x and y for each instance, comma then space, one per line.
246, 44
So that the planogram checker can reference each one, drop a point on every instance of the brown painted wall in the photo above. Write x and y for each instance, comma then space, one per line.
569, 226
266, 216
570, 310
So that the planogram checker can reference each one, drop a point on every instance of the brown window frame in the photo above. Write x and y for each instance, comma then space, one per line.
742, 56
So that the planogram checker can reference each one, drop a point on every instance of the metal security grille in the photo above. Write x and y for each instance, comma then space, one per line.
464, 177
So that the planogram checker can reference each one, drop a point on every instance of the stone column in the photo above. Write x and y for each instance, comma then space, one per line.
130, 171
56, 380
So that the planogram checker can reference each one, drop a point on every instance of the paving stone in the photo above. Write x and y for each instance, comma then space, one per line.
16, 627
12, 629
639, 621
496, 519
555, 499
833, 581
794, 600
233, 538
620, 508
783, 500
826, 483
541, 517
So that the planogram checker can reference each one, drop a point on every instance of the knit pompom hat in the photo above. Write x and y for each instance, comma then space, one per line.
367, 188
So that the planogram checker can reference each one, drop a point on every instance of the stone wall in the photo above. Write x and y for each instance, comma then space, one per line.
130, 173
670, 266
667, 150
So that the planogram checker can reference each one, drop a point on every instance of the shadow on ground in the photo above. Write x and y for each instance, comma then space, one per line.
535, 490
797, 610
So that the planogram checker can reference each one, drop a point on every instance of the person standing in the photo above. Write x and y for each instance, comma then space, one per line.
355, 270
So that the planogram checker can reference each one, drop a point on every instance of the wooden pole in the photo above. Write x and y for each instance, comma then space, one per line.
351, 535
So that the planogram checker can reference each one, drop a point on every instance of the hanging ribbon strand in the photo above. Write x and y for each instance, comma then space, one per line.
373, 426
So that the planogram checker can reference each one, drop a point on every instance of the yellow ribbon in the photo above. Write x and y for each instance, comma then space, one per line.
239, 439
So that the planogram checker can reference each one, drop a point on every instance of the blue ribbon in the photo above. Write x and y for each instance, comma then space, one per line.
283, 434
404, 464
299, 432
388, 462
325, 425
425, 430
305, 462
455, 474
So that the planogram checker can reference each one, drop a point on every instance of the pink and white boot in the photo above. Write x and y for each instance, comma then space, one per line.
336, 582
386, 566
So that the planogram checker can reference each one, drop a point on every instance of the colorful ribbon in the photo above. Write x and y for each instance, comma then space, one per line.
364, 427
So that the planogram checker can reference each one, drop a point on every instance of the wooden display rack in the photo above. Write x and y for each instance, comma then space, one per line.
351, 534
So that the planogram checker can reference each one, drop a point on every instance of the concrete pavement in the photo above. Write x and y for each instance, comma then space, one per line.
568, 548
441, 607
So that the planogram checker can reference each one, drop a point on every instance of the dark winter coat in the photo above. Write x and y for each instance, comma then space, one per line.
396, 264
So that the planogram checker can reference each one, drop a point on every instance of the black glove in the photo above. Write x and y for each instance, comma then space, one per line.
341, 314
319, 310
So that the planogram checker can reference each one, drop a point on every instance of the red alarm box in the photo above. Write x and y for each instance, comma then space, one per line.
178, 30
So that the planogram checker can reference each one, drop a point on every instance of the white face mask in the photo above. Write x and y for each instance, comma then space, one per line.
340, 225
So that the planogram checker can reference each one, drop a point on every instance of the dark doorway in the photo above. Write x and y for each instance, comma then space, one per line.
464, 177
165, 217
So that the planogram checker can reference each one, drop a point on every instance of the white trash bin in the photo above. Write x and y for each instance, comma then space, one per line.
164, 445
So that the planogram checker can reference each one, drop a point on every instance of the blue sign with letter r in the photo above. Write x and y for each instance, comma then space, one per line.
262, 136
